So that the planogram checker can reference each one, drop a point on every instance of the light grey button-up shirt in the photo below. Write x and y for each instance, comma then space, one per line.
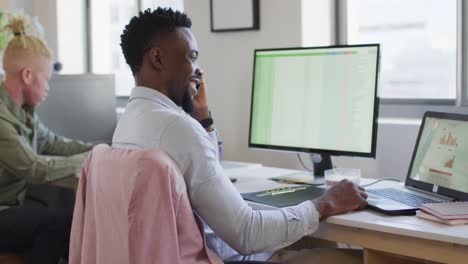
152, 120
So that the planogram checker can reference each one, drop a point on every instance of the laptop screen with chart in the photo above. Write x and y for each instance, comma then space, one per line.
438, 169
442, 155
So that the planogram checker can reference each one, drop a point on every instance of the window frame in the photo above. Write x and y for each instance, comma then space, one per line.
415, 108
121, 99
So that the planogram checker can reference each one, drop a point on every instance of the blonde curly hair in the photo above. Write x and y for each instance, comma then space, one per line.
24, 40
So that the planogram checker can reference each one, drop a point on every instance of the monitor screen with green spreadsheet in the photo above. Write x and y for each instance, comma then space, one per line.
321, 100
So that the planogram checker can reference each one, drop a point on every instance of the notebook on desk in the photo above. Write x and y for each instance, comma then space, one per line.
437, 171
426, 216
447, 211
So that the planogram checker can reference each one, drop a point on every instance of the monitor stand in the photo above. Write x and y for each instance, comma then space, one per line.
321, 163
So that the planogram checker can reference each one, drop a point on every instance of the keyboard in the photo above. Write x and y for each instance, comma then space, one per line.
401, 196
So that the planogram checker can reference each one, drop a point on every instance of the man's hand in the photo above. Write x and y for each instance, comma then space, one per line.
200, 103
341, 198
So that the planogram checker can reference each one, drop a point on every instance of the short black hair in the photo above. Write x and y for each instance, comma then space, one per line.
140, 32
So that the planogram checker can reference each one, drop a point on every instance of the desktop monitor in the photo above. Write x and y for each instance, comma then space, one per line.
81, 107
316, 100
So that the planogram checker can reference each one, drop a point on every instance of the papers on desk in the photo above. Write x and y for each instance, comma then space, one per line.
297, 177
229, 165
450, 213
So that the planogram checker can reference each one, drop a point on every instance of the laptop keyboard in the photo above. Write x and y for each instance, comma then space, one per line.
401, 196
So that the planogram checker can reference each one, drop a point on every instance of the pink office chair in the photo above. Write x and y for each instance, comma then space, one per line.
132, 207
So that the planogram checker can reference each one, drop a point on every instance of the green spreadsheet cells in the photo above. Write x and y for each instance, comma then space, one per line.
263, 101
302, 54
286, 83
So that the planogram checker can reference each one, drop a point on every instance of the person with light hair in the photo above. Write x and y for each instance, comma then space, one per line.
30, 154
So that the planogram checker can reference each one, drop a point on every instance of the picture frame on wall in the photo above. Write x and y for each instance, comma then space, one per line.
234, 15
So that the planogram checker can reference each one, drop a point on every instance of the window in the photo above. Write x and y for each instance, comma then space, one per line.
109, 18
71, 36
418, 44
89, 36
174, 4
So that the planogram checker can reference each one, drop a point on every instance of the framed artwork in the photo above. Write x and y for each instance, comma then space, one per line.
234, 15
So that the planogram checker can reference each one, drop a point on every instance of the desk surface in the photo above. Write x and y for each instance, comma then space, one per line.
255, 179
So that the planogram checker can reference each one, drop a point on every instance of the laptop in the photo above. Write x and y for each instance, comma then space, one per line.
438, 171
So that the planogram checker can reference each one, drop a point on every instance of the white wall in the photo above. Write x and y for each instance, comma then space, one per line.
318, 22
227, 61
395, 143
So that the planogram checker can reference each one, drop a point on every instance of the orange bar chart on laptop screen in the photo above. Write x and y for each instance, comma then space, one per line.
442, 154
447, 145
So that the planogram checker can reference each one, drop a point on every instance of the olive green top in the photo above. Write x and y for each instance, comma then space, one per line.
29, 151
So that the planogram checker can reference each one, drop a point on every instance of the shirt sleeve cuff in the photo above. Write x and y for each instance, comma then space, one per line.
213, 135
214, 140
302, 221
311, 216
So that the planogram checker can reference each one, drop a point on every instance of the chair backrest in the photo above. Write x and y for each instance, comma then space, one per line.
132, 207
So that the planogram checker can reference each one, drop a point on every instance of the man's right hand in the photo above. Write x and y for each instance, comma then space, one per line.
342, 198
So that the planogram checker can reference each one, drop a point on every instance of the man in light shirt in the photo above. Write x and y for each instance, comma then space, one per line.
168, 110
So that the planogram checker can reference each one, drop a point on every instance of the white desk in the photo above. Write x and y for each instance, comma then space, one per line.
385, 239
